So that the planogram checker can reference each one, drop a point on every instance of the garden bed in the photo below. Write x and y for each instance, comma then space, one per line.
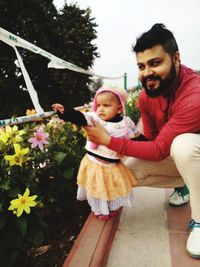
60, 235
74, 238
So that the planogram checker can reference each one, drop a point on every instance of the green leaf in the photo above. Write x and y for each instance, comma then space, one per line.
14, 191
60, 156
68, 173
21, 225
5, 184
37, 236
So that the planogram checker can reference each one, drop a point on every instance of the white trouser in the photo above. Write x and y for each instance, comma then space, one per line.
182, 167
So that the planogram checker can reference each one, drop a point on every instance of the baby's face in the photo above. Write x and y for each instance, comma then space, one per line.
108, 105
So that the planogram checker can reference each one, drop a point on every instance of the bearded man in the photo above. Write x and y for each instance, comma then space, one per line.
170, 112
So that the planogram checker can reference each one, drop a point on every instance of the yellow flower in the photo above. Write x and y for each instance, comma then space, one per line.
23, 203
4, 136
30, 112
11, 134
74, 127
19, 157
16, 134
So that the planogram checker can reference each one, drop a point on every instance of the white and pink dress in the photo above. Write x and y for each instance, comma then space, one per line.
102, 178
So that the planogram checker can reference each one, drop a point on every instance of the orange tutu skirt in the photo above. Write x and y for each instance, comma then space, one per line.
105, 181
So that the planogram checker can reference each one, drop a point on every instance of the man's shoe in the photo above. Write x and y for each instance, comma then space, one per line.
179, 197
193, 242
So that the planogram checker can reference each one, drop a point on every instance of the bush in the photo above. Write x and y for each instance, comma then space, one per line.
131, 105
39, 161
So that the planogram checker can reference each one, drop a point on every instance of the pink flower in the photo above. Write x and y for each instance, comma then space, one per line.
39, 139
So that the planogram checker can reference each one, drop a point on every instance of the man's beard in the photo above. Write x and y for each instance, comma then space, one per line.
164, 86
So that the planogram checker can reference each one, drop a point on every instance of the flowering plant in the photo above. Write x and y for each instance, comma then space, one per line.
131, 105
38, 163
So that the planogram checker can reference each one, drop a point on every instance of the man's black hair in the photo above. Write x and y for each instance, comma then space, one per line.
157, 35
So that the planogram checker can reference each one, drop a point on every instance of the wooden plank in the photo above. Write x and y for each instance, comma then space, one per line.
93, 244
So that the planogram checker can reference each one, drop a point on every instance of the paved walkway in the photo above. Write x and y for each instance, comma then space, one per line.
152, 234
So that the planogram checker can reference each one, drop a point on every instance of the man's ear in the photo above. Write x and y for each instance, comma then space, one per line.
176, 58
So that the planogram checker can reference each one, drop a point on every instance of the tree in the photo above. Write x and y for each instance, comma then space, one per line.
95, 85
67, 33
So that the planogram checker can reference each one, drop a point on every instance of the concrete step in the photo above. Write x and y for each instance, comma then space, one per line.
149, 234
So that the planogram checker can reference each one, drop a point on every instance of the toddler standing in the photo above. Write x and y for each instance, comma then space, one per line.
102, 177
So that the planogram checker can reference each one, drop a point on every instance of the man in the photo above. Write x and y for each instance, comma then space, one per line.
170, 112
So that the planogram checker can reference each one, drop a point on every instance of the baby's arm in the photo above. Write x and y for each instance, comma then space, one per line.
70, 114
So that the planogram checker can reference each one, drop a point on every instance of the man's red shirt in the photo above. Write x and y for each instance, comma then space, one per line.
164, 118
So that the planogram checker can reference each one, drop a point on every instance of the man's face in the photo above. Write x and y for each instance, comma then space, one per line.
157, 70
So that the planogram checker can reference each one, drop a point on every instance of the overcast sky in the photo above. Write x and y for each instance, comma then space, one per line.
121, 22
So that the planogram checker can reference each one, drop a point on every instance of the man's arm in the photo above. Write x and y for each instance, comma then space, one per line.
149, 128
154, 150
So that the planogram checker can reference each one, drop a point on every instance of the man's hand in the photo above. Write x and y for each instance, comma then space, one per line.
97, 134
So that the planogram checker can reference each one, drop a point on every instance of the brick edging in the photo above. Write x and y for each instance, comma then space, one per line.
92, 247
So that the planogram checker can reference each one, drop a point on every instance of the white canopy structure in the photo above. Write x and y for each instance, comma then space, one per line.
55, 62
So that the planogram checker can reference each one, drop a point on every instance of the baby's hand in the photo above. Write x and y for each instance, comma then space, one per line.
58, 107
134, 135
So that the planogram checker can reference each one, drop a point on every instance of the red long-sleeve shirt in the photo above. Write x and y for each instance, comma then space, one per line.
162, 124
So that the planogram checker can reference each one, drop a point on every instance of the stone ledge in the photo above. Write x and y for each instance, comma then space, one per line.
93, 244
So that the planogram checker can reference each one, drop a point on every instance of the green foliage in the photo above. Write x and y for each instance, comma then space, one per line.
95, 85
68, 34
50, 174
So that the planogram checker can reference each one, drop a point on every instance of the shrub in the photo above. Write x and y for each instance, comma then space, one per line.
131, 105
39, 161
